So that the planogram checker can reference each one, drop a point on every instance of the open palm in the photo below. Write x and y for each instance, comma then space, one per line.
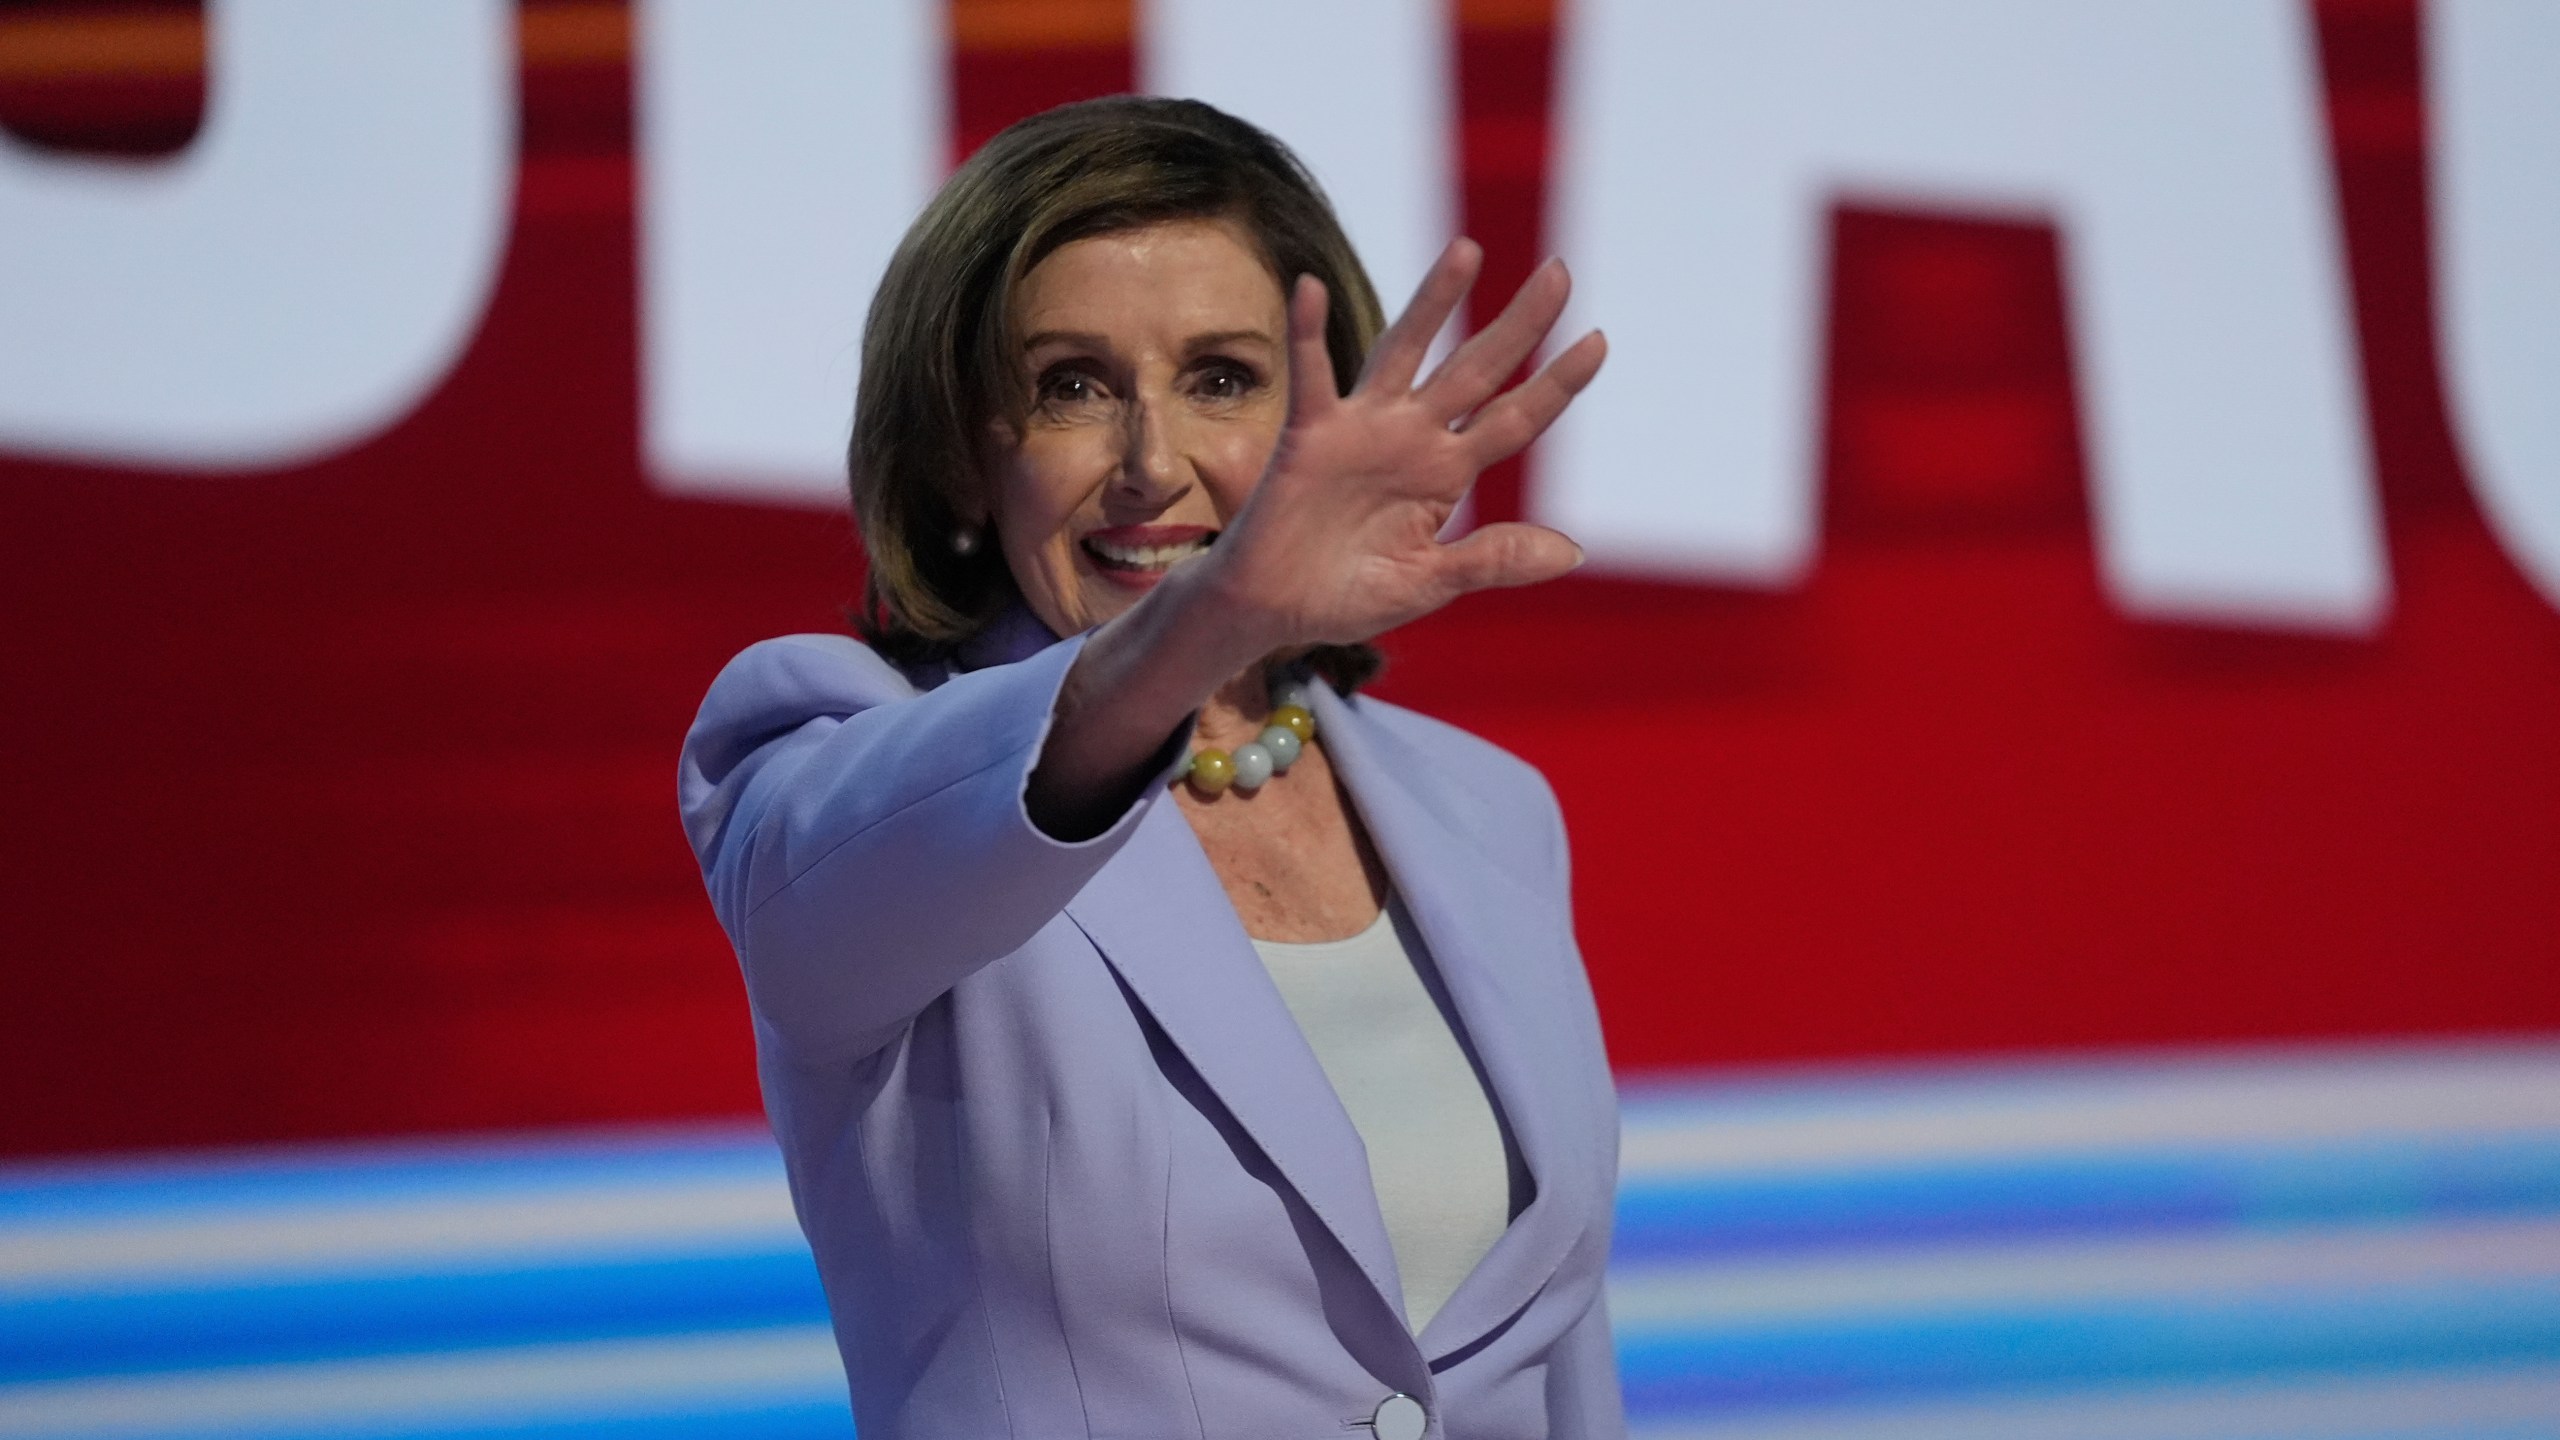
1341, 538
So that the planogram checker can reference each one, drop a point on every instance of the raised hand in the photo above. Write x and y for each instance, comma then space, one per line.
1341, 538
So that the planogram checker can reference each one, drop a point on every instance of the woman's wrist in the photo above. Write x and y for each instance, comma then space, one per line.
1221, 607
1187, 640
1142, 677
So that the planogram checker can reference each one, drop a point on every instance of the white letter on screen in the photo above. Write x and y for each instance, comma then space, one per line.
784, 148
2180, 145
1362, 90
2495, 106
300, 276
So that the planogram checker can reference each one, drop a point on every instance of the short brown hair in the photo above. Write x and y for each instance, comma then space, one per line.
937, 351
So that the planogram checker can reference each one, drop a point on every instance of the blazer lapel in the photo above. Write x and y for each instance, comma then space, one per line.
1489, 934
1162, 921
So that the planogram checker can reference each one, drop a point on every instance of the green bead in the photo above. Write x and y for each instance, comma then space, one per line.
1282, 742
1212, 771
1295, 719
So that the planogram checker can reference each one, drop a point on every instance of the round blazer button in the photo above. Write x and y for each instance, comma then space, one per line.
1399, 1417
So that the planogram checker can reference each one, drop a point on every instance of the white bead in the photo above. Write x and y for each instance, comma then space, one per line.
1253, 765
1292, 692
1283, 743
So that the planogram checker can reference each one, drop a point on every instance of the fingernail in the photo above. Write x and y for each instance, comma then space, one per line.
1578, 556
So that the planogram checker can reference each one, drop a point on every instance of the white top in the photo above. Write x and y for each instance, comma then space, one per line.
1382, 1028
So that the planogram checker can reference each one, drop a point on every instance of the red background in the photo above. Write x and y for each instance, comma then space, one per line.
341, 799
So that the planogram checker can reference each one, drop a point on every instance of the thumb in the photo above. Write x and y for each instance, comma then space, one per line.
1508, 554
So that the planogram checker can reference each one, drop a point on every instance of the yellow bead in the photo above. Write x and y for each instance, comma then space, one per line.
1296, 720
1212, 771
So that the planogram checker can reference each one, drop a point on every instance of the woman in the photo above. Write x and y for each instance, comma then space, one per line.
1150, 1057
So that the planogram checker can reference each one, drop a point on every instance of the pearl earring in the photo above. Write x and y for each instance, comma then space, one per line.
964, 541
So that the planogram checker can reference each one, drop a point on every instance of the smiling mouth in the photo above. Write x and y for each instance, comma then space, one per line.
1143, 559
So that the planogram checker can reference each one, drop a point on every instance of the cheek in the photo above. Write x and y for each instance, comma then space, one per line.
1041, 485
1243, 452
1035, 499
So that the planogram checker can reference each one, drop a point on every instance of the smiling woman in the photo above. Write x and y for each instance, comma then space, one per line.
1163, 1037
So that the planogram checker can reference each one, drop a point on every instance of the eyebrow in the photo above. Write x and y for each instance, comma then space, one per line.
1229, 337
1091, 341
1062, 337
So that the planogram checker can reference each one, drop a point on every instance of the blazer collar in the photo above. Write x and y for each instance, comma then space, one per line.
1161, 919
1492, 935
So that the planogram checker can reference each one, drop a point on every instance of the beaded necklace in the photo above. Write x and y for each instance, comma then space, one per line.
1292, 724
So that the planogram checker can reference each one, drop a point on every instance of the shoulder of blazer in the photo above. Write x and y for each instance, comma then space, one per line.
775, 686
1475, 786
770, 690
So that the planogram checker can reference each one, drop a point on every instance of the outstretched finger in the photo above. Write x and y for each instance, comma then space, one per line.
1399, 353
1311, 386
1471, 375
1508, 554
1505, 427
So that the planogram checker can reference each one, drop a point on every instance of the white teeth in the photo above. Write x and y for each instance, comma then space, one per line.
1146, 557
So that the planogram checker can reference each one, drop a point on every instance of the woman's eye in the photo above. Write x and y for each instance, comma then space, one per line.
1226, 382
1066, 387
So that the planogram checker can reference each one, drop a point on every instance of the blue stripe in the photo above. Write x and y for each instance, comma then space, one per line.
2519, 1430
1936, 1355
1873, 1089
65, 1337
89, 1190
1691, 1217
819, 1420
1657, 1218
1875, 1359
807, 1419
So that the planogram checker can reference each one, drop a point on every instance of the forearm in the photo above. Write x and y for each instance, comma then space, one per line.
1137, 683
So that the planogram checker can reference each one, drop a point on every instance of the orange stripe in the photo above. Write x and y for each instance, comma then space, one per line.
1506, 14
141, 43
994, 26
581, 32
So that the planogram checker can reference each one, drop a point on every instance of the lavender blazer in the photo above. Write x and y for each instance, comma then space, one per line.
1067, 1164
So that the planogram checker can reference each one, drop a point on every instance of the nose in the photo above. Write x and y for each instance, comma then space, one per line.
1152, 471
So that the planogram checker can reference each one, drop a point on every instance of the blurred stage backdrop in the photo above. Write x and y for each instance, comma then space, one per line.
2061, 731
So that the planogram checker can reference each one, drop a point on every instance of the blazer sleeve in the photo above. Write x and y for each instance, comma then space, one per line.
1584, 1401
865, 844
